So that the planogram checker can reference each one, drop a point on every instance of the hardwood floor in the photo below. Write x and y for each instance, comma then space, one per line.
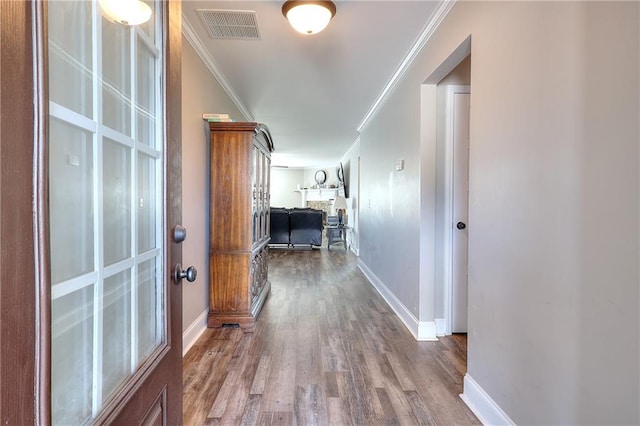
326, 350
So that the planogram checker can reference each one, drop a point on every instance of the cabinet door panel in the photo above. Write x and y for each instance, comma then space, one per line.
229, 283
230, 204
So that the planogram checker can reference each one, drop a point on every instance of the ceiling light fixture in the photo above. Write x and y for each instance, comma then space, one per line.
126, 12
308, 17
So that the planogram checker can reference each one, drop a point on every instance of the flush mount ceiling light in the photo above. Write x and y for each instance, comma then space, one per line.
308, 17
126, 12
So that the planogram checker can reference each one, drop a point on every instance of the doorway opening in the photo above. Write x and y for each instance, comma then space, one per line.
452, 197
445, 118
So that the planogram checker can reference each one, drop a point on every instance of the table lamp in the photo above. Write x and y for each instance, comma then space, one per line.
340, 204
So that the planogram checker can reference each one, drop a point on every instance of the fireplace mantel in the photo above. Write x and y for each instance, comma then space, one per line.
322, 194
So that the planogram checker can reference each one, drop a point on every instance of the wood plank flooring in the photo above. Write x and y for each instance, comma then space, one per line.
326, 350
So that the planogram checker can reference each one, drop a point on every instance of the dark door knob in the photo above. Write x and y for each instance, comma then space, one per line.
190, 273
179, 234
461, 225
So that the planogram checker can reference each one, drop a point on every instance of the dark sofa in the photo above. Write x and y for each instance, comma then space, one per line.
279, 222
297, 226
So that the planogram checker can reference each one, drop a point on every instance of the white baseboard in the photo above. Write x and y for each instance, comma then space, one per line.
441, 327
426, 331
421, 330
485, 408
194, 331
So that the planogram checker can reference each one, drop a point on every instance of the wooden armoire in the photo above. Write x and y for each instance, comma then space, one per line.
239, 222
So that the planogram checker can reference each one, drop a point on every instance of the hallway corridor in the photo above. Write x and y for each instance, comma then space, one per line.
326, 350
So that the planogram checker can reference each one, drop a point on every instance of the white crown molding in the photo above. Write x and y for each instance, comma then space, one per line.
434, 22
355, 145
192, 38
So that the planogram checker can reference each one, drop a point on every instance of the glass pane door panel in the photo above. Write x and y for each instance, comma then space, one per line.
147, 200
71, 56
72, 357
267, 184
108, 301
116, 179
267, 195
116, 76
254, 176
71, 200
149, 328
263, 189
116, 346
146, 94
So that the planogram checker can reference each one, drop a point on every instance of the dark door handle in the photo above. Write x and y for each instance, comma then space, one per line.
461, 225
190, 273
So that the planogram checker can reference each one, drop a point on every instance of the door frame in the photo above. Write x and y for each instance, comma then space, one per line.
23, 295
448, 204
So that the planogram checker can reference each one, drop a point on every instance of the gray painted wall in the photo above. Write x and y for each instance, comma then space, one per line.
200, 93
554, 204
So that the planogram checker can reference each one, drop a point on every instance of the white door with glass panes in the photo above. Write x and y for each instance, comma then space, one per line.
115, 310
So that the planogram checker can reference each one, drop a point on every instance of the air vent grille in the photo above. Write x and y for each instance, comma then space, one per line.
231, 24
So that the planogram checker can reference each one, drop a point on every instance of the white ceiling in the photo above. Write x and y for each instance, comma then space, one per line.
314, 91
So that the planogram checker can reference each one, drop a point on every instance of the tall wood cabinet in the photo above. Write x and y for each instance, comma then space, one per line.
239, 222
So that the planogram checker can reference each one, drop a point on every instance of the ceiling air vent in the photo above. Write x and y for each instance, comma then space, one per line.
231, 24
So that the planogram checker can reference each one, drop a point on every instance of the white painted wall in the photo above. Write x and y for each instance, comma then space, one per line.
200, 93
284, 183
554, 235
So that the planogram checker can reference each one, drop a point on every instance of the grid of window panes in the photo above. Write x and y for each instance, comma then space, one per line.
106, 196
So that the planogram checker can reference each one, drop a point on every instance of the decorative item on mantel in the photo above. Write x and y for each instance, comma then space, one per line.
342, 178
320, 177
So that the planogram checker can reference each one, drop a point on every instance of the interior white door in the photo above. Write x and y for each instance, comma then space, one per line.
460, 211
